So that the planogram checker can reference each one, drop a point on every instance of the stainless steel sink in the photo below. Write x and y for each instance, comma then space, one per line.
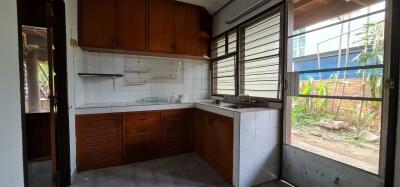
239, 106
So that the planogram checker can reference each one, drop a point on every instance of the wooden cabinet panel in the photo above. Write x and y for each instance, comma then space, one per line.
178, 131
142, 123
97, 23
38, 135
202, 121
131, 24
161, 25
214, 141
222, 134
186, 29
144, 27
205, 32
142, 147
142, 136
99, 140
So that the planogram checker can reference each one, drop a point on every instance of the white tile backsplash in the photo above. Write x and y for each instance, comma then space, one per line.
196, 82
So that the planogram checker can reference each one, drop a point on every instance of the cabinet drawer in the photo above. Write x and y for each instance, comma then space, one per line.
142, 123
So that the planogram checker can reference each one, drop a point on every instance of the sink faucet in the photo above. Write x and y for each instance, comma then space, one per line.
243, 95
248, 100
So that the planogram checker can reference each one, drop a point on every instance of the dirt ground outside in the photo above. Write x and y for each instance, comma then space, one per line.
363, 157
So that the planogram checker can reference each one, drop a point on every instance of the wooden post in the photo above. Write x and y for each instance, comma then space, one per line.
32, 67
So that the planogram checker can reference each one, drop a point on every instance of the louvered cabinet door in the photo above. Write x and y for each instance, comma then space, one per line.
99, 140
178, 131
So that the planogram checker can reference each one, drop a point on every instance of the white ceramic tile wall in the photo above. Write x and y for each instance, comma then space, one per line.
256, 147
97, 89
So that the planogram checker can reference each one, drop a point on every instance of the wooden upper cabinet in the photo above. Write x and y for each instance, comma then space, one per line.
131, 27
161, 25
144, 27
205, 27
186, 29
97, 23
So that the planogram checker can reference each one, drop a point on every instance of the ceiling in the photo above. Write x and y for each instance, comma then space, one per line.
211, 5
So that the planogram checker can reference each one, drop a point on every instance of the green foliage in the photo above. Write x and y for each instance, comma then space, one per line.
43, 78
372, 37
308, 112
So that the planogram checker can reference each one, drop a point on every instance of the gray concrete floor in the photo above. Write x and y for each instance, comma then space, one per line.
187, 170
39, 174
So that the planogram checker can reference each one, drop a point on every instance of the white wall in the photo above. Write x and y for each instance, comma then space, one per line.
74, 56
196, 80
234, 8
11, 159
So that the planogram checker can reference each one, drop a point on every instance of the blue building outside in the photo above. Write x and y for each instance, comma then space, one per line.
328, 61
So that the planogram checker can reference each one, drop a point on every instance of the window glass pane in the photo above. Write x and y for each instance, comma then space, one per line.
307, 15
342, 60
259, 61
232, 41
218, 47
36, 71
347, 83
224, 76
332, 51
344, 130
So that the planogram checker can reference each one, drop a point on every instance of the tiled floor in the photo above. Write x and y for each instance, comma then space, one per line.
177, 171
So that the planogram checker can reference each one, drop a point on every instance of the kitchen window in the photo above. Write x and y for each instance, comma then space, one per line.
338, 111
223, 53
260, 57
247, 59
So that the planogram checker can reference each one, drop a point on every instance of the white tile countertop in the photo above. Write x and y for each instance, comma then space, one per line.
222, 109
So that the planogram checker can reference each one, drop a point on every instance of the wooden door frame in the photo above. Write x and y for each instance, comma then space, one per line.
61, 87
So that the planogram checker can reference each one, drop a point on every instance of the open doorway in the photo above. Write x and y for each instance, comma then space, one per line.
37, 105
43, 74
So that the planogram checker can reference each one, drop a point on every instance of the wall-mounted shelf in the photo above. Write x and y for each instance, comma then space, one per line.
99, 75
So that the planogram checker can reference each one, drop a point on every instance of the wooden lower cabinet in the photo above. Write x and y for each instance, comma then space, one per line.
99, 141
178, 131
142, 136
214, 141
105, 140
